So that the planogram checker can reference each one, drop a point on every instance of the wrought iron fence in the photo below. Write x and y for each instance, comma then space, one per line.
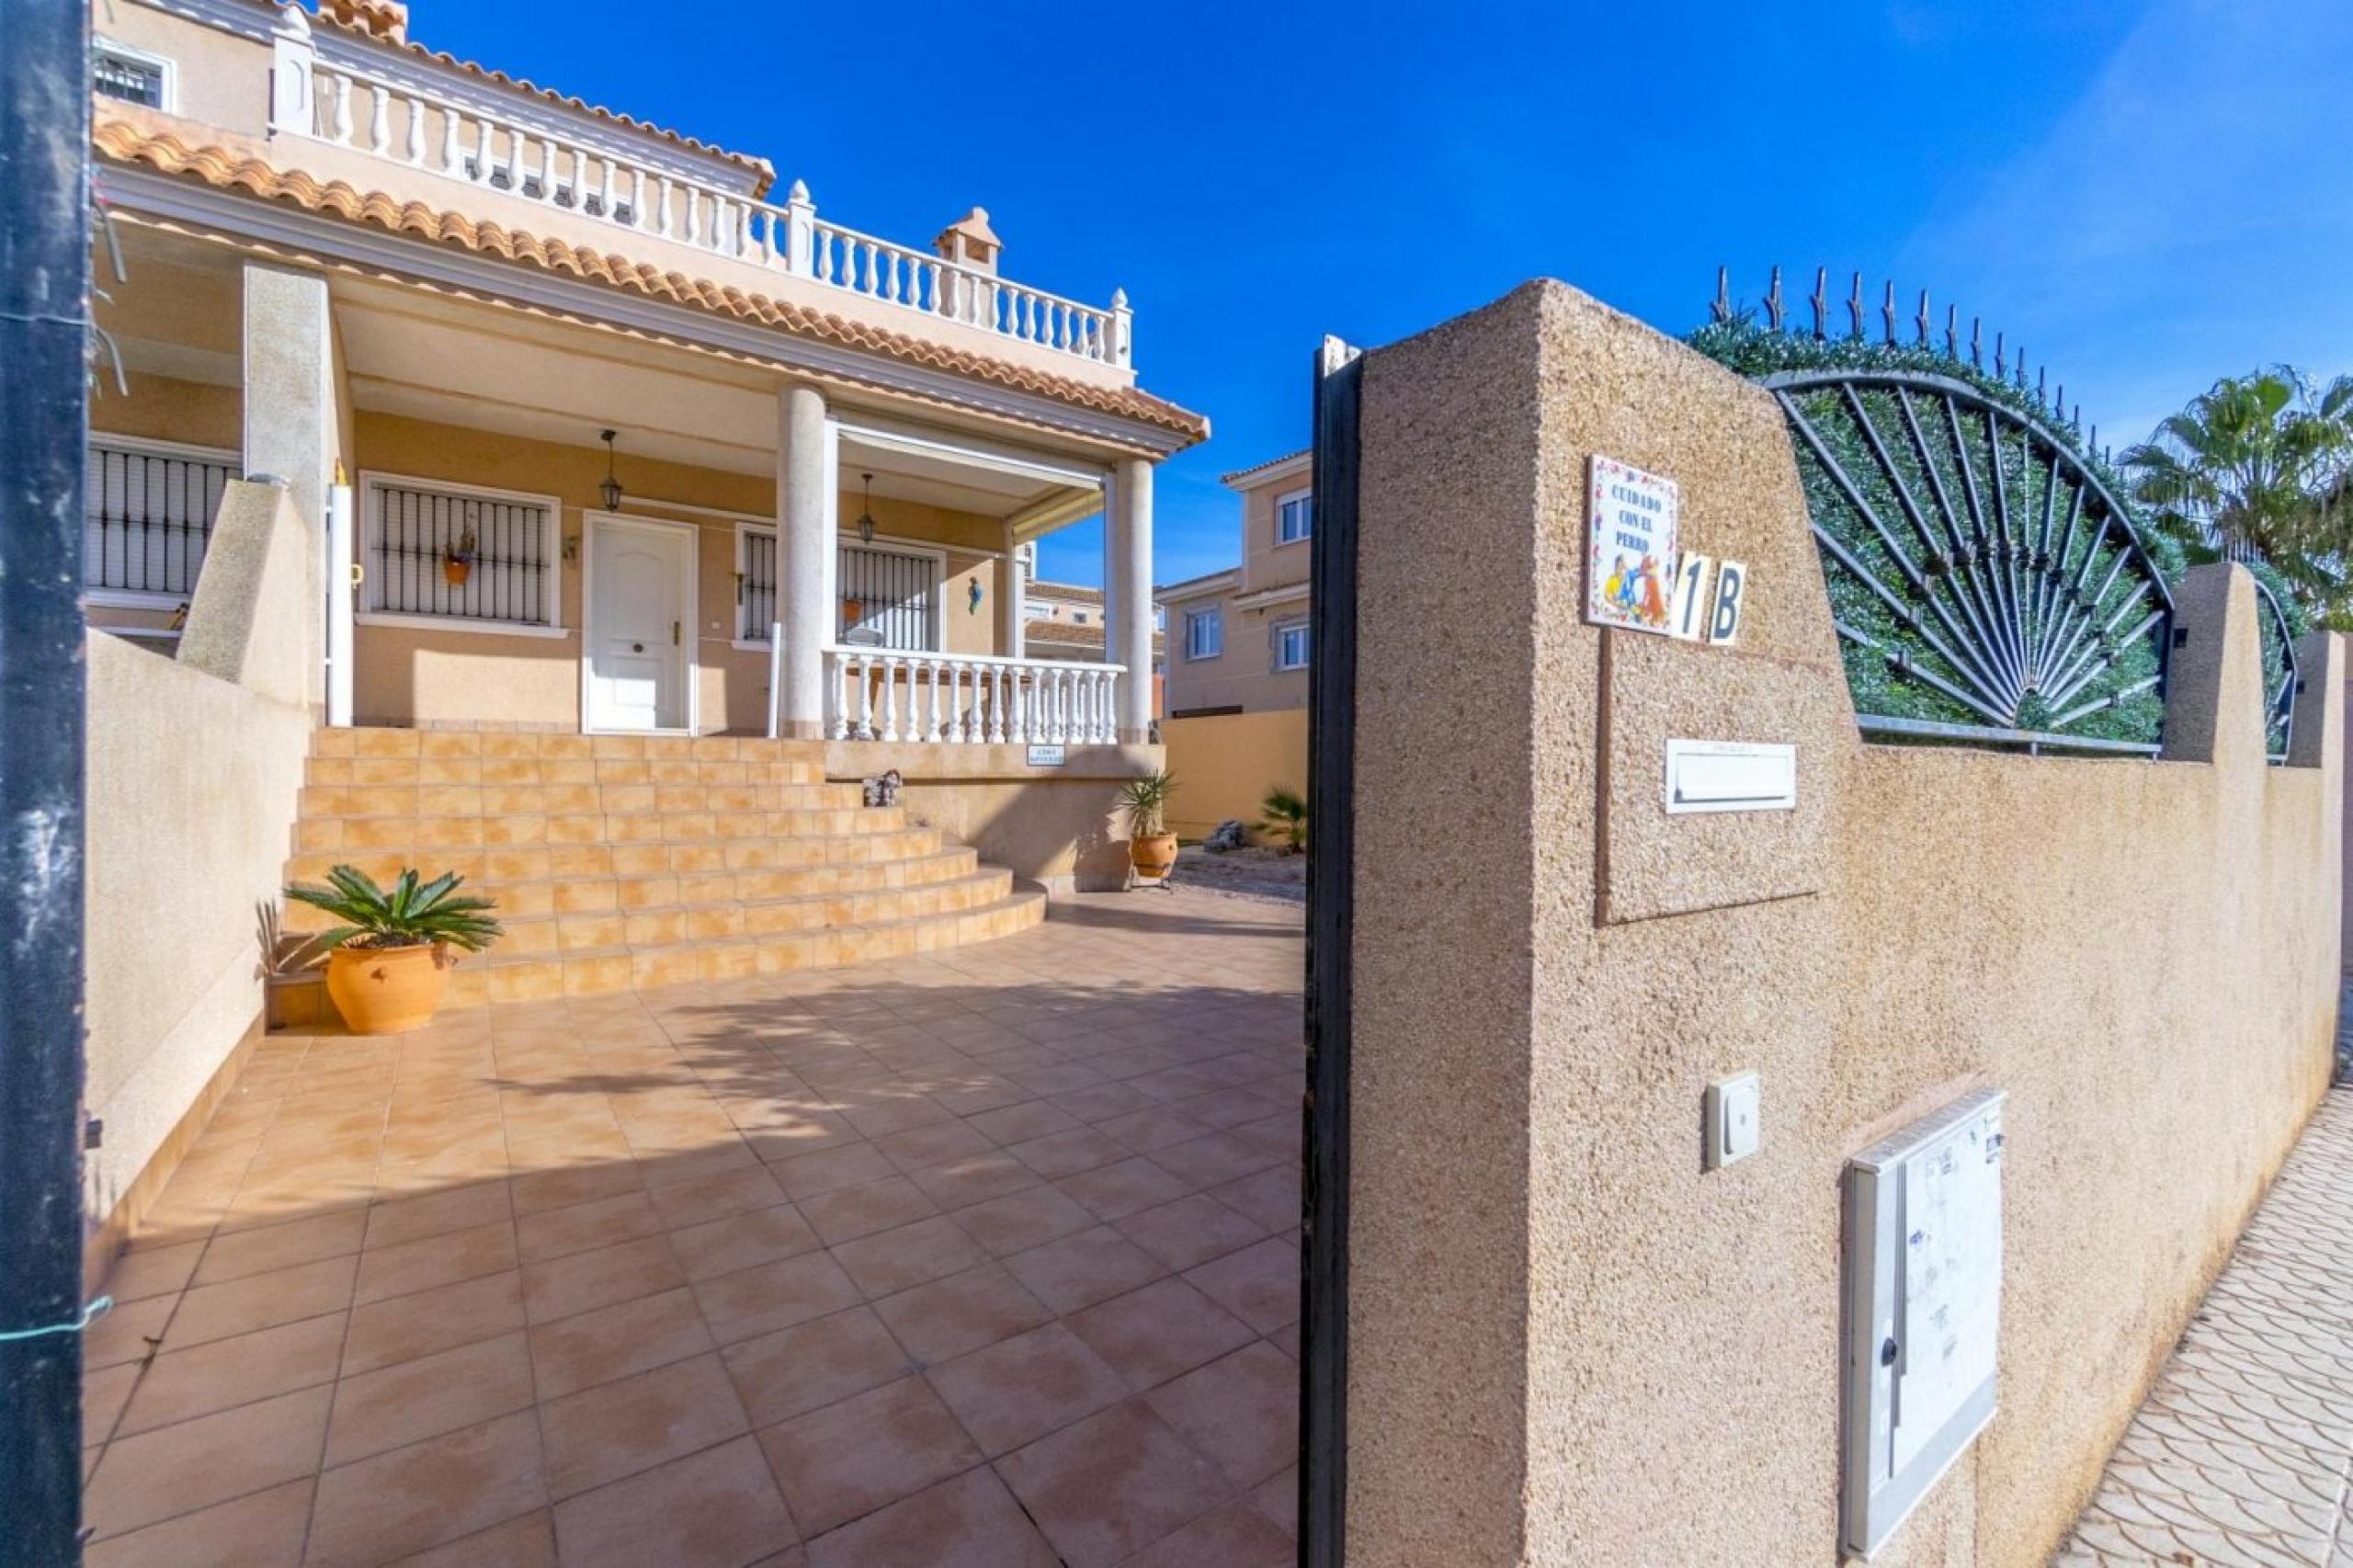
459, 556
2281, 680
147, 516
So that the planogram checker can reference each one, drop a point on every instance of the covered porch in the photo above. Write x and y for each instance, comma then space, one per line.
540, 522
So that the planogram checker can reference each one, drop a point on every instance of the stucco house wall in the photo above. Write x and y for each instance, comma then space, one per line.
1568, 1341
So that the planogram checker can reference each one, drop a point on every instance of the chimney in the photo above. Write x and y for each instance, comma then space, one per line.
970, 242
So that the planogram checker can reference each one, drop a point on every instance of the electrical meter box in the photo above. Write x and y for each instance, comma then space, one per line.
1923, 1309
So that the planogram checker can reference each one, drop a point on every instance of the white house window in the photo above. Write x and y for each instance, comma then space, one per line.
1204, 632
1293, 516
147, 511
438, 553
133, 75
1291, 646
755, 583
1040, 610
1078, 618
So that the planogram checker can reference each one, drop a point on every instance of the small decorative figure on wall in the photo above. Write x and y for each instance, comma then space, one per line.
884, 791
972, 601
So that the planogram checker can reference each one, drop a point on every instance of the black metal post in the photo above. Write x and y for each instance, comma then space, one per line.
1331, 919
44, 343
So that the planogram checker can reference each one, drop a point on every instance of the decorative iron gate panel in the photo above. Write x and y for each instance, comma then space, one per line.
1986, 583
755, 588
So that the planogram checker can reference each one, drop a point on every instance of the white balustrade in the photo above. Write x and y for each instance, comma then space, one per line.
880, 694
528, 162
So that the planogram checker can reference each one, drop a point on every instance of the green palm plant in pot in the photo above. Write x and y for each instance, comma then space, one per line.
1152, 848
388, 957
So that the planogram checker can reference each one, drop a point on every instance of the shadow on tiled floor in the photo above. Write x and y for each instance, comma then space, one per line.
984, 1259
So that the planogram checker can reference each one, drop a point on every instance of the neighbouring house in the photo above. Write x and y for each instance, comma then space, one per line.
1239, 639
1239, 647
616, 510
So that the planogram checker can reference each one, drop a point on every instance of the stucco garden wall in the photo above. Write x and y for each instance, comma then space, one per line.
1569, 1343
1225, 763
195, 765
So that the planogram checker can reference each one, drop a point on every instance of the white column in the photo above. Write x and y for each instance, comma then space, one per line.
1127, 592
804, 547
291, 428
1012, 602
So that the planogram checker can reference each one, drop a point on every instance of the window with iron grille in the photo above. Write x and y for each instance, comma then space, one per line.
755, 583
886, 598
147, 514
460, 555
129, 74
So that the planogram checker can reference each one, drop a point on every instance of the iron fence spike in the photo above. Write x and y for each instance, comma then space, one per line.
1855, 308
1773, 309
1952, 331
2001, 364
1923, 318
1887, 312
1820, 302
1722, 307
1977, 341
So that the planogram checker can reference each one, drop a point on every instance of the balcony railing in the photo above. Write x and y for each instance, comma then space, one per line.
878, 695
352, 109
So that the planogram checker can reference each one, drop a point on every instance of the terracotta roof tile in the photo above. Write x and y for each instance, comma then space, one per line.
386, 21
226, 169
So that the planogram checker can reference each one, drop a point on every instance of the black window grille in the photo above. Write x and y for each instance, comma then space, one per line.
146, 518
120, 76
462, 557
886, 598
755, 590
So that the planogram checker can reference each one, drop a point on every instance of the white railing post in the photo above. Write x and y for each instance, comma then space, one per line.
413, 148
293, 96
379, 120
776, 674
452, 160
1122, 351
865, 698
339, 128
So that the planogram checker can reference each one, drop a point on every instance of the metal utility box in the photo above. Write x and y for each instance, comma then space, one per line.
1923, 1309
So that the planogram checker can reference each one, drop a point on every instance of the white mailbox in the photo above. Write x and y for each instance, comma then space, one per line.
1923, 1296
1730, 775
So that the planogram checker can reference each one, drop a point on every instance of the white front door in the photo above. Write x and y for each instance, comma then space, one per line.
640, 619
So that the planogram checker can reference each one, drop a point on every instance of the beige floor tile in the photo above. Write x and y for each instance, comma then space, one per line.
528, 1541
970, 1522
774, 1295
407, 1326
1113, 1484
869, 1450
1241, 1411
719, 1508
261, 1301
428, 1495
955, 1316
1020, 1389
890, 1261
177, 1470
1081, 1269
226, 1373
583, 1281
416, 1400
813, 1364
263, 1530
721, 1246
406, 1267
1158, 1333
594, 1348
619, 1428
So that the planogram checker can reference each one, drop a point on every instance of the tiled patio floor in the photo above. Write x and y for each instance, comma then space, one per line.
987, 1259
2243, 1451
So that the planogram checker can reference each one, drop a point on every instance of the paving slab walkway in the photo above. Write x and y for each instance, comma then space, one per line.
987, 1258
2241, 1454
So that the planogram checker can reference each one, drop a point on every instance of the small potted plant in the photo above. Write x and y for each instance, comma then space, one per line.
1286, 813
389, 961
458, 561
1152, 848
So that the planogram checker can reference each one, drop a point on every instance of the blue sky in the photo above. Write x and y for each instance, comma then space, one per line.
2147, 195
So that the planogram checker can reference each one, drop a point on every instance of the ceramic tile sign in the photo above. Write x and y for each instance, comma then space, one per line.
1630, 564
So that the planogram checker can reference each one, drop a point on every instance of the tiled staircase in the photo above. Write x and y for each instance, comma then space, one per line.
620, 862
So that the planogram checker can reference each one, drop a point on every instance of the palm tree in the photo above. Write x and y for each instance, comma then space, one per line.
2254, 468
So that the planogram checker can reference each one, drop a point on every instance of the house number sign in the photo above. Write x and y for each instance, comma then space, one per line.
1635, 574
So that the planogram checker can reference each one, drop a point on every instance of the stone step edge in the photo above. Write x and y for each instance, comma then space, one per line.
985, 873
1025, 900
492, 885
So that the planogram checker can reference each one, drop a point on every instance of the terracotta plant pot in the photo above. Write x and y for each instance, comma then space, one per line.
1155, 854
455, 572
388, 990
